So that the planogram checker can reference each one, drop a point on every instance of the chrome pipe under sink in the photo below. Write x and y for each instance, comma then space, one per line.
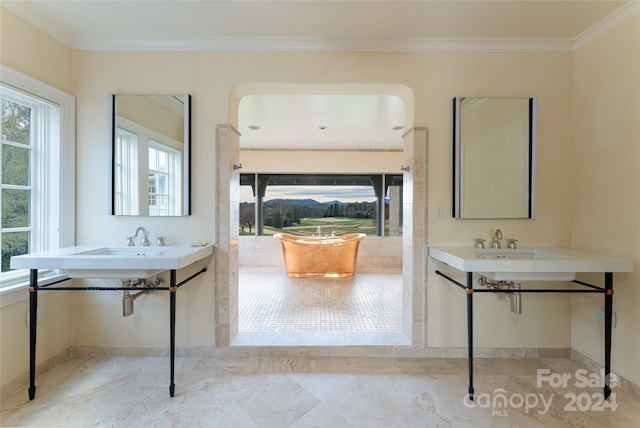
128, 298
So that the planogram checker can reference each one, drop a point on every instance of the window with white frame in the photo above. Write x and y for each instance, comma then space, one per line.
126, 173
37, 179
148, 171
164, 180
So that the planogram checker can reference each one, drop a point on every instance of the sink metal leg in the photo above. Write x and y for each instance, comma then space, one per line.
470, 330
33, 321
608, 314
172, 329
608, 318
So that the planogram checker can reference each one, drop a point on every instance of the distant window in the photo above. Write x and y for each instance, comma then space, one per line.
307, 204
126, 173
147, 171
34, 182
164, 180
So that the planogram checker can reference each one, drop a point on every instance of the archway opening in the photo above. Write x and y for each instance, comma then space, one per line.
303, 159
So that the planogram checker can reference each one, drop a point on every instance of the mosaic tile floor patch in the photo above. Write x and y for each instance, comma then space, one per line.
269, 301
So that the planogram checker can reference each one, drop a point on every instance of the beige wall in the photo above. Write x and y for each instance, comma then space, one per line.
606, 197
435, 79
309, 161
147, 112
24, 48
98, 316
54, 333
27, 49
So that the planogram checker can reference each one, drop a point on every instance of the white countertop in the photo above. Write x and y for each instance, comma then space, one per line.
538, 260
112, 261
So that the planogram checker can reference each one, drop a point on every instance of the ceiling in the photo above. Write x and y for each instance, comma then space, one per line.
305, 24
326, 121
357, 121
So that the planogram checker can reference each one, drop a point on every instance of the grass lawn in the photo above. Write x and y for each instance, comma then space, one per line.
341, 225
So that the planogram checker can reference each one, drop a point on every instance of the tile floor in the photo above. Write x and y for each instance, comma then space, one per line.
262, 391
276, 310
310, 392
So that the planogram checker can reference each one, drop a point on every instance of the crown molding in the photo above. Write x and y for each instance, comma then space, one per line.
606, 24
312, 44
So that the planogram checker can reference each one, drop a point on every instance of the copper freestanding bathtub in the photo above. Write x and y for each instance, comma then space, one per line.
330, 257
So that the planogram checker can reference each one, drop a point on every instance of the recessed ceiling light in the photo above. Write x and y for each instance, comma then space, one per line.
398, 127
254, 127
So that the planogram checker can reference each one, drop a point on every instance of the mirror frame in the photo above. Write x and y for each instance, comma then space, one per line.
457, 173
186, 162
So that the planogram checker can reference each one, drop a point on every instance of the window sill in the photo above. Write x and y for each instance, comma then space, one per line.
19, 292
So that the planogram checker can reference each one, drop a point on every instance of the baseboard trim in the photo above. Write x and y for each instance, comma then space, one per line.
594, 366
19, 382
320, 351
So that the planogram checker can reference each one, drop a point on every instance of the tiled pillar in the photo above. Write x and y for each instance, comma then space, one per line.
395, 200
414, 235
227, 231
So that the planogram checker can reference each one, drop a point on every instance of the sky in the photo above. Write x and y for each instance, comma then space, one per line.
318, 193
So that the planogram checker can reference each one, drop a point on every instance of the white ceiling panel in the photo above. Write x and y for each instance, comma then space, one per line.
321, 121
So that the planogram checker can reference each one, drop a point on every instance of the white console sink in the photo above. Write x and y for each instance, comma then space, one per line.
527, 264
100, 261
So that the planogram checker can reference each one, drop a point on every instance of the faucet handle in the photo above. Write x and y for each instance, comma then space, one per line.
512, 244
161, 241
479, 243
130, 242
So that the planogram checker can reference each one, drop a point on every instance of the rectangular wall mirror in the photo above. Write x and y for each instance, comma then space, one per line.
494, 163
150, 155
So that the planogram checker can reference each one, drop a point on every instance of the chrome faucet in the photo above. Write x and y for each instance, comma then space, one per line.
145, 237
495, 241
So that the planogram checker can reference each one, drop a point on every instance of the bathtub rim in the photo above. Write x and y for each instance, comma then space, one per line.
320, 240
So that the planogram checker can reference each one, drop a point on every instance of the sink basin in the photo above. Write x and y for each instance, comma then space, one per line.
124, 251
123, 262
527, 264
521, 254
